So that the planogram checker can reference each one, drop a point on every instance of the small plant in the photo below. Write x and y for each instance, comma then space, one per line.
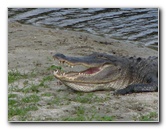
30, 99
32, 88
82, 115
48, 78
149, 117
20, 110
78, 115
54, 67
47, 94
15, 75
12, 95
84, 98
20, 107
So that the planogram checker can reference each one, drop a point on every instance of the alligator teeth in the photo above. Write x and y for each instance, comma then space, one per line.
61, 62
83, 74
70, 78
55, 72
70, 66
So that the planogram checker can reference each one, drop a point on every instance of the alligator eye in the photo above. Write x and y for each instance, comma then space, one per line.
130, 58
139, 59
119, 69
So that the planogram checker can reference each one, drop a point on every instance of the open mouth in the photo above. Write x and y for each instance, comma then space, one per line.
93, 74
71, 75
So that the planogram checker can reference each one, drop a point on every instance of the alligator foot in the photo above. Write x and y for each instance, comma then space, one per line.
136, 88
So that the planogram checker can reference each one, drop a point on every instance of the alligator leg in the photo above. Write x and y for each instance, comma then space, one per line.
136, 88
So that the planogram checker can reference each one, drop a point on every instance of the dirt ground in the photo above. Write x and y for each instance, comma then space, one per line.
30, 51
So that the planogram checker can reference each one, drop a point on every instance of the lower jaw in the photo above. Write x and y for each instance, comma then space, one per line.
88, 87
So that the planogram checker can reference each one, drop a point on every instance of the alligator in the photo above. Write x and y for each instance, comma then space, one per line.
124, 75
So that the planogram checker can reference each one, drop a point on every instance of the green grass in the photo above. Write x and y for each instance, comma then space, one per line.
59, 101
36, 87
53, 101
54, 67
148, 117
27, 100
78, 116
48, 78
30, 99
84, 98
12, 102
20, 107
92, 115
15, 75
12, 95
31, 89
47, 94
20, 111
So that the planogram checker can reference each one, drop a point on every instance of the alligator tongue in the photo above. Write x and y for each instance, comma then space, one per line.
91, 70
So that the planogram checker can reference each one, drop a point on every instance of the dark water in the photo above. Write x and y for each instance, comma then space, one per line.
136, 25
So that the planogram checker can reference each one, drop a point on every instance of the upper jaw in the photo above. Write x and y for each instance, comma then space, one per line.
87, 61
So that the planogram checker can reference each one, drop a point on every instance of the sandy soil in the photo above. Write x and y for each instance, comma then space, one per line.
31, 48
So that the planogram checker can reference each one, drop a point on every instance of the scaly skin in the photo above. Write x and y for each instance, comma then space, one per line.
109, 72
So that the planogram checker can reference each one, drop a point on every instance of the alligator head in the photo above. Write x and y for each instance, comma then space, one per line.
101, 71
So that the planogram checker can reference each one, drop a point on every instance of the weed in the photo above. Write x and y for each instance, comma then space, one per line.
20, 110
82, 115
148, 117
87, 98
53, 101
48, 78
30, 99
54, 67
21, 107
32, 88
47, 94
15, 75
12, 102
12, 95
35, 87
79, 115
